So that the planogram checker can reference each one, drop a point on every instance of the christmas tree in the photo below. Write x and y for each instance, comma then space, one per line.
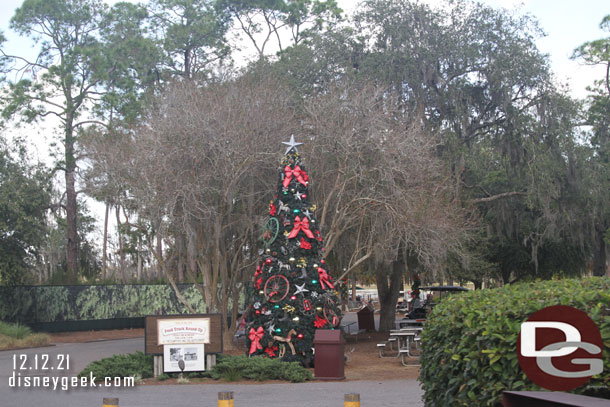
292, 293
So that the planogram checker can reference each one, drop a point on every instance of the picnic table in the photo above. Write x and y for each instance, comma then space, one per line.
408, 323
404, 338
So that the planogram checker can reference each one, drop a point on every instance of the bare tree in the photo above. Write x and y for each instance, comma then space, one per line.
386, 199
198, 170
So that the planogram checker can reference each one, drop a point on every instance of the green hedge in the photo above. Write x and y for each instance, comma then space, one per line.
469, 343
260, 368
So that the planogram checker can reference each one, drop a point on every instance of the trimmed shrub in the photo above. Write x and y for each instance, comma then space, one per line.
232, 368
134, 364
470, 341
229, 368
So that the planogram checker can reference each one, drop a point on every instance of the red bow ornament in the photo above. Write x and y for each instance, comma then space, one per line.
270, 351
272, 209
255, 338
305, 244
319, 322
324, 278
258, 271
297, 173
300, 225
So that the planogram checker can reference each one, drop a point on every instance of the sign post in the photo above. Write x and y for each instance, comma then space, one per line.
186, 341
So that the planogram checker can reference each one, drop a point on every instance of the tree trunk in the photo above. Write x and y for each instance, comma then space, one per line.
599, 257
181, 256
187, 64
121, 252
159, 248
105, 242
388, 290
71, 209
139, 270
505, 277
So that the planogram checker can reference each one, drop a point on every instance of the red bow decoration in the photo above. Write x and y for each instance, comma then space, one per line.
300, 225
297, 173
259, 283
319, 322
270, 351
258, 271
305, 244
272, 209
324, 278
255, 338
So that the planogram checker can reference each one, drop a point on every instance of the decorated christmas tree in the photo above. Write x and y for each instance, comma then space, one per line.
292, 293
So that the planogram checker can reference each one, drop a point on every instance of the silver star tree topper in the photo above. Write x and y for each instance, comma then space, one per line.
291, 144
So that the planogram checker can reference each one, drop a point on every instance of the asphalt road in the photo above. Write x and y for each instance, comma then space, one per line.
372, 393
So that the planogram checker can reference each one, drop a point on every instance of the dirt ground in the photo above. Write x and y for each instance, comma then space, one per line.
363, 361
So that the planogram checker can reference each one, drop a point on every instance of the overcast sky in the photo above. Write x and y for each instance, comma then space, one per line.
567, 24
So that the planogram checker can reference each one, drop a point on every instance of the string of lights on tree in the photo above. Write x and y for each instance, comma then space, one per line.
292, 293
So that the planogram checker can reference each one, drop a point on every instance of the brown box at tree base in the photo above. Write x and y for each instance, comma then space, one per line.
329, 354
366, 318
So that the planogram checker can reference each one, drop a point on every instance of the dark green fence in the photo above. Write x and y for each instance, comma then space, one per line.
81, 307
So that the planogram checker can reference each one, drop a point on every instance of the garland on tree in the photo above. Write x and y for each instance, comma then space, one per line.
292, 293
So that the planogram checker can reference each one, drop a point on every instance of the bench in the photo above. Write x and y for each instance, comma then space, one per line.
404, 353
417, 342
354, 335
349, 334
381, 347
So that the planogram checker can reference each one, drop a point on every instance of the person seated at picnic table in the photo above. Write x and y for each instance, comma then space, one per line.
417, 305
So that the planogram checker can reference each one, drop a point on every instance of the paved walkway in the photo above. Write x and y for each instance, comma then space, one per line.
404, 393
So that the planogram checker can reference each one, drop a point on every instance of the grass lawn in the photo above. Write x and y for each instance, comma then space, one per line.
14, 336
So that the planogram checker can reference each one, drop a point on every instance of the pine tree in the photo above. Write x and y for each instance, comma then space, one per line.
292, 293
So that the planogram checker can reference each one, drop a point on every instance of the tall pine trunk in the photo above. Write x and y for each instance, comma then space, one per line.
140, 263
105, 242
159, 271
71, 207
600, 255
121, 252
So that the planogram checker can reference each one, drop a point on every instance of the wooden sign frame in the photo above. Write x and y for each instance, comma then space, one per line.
151, 346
